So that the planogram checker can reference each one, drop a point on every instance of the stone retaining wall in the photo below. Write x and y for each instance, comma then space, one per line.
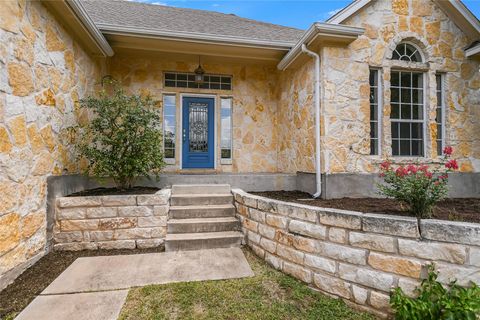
111, 222
357, 257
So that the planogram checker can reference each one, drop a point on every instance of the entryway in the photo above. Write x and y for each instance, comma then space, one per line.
198, 132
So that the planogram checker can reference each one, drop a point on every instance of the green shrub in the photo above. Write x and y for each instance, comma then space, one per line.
435, 302
416, 185
124, 139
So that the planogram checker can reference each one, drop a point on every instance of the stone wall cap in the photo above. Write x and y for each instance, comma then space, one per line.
389, 216
452, 223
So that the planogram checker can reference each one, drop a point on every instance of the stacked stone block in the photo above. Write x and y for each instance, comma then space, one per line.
111, 222
354, 256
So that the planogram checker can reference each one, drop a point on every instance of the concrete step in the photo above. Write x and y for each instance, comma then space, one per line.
203, 225
201, 189
206, 240
192, 212
200, 199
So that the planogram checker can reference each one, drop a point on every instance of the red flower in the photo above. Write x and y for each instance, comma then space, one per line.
428, 174
385, 165
452, 164
448, 150
423, 168
382, 174
412, 168
443, 176
401, 171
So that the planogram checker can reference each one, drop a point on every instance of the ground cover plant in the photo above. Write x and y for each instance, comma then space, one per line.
270, 294
436, 302
417, 185
123, 141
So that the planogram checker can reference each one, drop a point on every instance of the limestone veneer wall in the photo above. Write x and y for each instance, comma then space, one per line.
43, 73
346, 90
357, 257
111, 222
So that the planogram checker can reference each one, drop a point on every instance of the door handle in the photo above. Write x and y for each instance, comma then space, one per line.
184, 135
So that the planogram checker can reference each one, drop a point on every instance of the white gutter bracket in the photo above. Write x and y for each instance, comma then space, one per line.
318, 173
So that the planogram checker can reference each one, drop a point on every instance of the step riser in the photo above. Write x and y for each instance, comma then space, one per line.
201, 189
202, 244
201, 201
203, 213
203, 227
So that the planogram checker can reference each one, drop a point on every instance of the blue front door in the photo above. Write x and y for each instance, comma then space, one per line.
198, 133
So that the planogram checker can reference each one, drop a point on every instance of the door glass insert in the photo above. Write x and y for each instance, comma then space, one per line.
198, 123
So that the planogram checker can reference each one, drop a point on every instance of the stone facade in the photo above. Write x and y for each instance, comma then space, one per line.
254, 104
354, 256
43, 73
345, 98
111, 222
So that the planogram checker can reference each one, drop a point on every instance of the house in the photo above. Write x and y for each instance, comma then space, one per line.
244, 102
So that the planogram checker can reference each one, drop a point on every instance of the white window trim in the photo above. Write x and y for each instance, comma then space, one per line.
423, 121
443, 108
227, 161
170, 161
379, 110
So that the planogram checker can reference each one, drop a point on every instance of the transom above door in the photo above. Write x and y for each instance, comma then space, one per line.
198, 136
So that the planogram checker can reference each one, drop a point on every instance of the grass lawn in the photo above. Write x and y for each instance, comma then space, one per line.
270, 294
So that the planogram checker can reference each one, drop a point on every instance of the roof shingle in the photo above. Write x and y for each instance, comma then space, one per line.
165, 18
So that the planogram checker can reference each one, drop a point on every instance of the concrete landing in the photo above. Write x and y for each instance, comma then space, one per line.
123, 272
87, 306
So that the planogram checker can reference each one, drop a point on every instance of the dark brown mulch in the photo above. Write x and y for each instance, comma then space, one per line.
35, 279
457, 209
114, 191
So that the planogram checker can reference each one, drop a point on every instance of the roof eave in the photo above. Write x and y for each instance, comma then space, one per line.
73, 15
473, 52
193, 37
463, 17
318, 29
348, 11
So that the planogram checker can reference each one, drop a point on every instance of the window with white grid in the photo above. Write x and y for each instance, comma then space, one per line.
375, 111
407, 113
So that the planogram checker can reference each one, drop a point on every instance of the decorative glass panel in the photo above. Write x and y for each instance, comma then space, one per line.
187, 80
198, 127
226, 128
406, 52
406, 115
169, 126
374, 112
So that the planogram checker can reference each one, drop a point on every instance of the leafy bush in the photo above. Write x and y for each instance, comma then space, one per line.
434, 302
416, 185
124, 139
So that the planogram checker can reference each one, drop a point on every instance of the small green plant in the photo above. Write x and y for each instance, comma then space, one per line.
416, 185
123, 140
435, 302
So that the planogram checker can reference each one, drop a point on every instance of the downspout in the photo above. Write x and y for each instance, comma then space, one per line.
318, 174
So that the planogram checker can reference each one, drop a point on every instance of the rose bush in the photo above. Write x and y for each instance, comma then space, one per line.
416, 185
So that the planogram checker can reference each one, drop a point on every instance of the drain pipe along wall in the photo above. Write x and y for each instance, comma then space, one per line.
318, 173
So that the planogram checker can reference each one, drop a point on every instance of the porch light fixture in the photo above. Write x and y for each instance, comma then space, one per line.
199, 72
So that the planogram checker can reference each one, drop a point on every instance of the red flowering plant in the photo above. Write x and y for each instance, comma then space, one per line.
417, 185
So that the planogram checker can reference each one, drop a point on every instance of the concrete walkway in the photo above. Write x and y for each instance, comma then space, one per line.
94, 287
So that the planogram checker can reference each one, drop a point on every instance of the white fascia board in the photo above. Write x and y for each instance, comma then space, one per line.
80, 12
473, 51
348, 11
193, 37
319, 29
466, 13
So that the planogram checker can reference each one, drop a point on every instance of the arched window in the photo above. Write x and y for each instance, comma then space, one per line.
406, 52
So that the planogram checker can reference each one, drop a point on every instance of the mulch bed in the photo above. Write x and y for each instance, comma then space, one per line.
457, 209
114, 191
34, 280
